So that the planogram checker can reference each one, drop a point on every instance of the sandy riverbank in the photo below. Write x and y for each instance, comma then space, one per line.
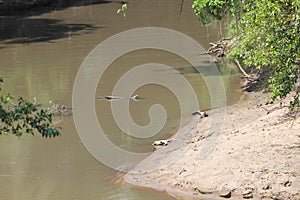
256, 155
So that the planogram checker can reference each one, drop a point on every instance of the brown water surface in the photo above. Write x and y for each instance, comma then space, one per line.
40, 56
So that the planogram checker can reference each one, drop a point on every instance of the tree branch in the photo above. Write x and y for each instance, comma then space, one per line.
242, 70
181, 7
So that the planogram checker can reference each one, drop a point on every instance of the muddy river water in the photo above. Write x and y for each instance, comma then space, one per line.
40, 55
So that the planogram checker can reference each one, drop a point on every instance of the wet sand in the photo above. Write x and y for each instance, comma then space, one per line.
255, 154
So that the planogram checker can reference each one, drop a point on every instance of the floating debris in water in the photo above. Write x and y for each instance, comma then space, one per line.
116, 98
58, 109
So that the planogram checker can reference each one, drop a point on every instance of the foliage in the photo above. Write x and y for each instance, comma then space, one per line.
122, 9
269, 35
209, 10
23, 117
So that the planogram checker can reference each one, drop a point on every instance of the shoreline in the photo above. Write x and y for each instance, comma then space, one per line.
255, 156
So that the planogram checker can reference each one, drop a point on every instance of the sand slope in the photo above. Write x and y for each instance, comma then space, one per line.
255, 154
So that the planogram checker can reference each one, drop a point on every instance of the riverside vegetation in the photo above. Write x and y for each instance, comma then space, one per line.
267, 35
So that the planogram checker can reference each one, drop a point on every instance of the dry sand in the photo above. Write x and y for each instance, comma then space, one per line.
256, 154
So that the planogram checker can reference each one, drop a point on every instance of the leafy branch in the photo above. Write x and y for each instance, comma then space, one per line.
123, 9
24, 117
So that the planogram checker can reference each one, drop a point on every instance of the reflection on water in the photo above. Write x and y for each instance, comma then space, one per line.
40, 55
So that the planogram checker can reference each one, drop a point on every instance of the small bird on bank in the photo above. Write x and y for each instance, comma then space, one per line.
202, 114
160, 143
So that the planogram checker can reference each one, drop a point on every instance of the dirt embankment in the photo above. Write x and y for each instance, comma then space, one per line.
256, 155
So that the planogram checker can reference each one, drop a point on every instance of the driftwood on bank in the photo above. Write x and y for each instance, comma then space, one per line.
219, 49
